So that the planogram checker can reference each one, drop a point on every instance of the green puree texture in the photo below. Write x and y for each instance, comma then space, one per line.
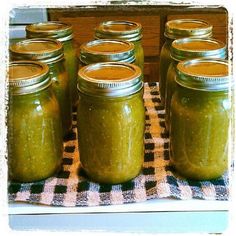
199, 133
165, 61
60, 87
111, 137
139, 54
35, 144
170, 89
71, 65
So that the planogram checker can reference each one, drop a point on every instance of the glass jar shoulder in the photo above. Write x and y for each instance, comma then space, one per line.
59, 75
112, 103
41, 102
201, 101
165, 52
69, 49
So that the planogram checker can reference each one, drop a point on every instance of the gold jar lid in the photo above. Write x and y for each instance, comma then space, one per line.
40, 49
26, 77
188, 28
204, 74
126, 30
50, 29
187, 48
105, 50
110, 79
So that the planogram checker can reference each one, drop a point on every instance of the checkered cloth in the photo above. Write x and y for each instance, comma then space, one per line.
70, 187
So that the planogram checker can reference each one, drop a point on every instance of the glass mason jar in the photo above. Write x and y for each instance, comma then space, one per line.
111, 122
35, 145
63, 32
106, 50
189, 48
200, 119
49, 51
175, 29
124, 30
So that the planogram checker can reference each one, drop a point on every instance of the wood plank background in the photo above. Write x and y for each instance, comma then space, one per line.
152, 18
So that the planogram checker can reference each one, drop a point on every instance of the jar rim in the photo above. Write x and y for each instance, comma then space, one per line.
41, 49
25, 77
204, 74
131, 31
105, 50
179, 28
52, 29
110, 79
186, 48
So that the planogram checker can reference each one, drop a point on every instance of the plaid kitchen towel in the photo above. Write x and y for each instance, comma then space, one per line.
70, 187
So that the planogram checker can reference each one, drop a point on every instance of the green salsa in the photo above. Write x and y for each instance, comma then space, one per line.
71, 66
165, 60
176, 29
200, 119
188, 48
63, 32
35, 145
49, 51
61, 89
139, 54
111, 137
199, 133
170, 89
111, 128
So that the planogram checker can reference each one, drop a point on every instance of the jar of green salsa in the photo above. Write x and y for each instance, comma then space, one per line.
175, 29
49, 51
124, 30
106, 50
35, 144
189, 48
63, 32
111, 121
200, 119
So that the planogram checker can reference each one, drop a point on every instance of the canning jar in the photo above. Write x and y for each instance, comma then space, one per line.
111, 121
49, 51
175, 29
35, 144
200, 119
106, 50
189, 48
124, 30
62, 32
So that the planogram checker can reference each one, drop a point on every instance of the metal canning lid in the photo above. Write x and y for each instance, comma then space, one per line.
105, 50
204, 74
110, 79
126, 30
26, 77
40, 49
50, 29
187, 27
187, 48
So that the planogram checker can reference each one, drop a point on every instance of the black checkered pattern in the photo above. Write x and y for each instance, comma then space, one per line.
71, 187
